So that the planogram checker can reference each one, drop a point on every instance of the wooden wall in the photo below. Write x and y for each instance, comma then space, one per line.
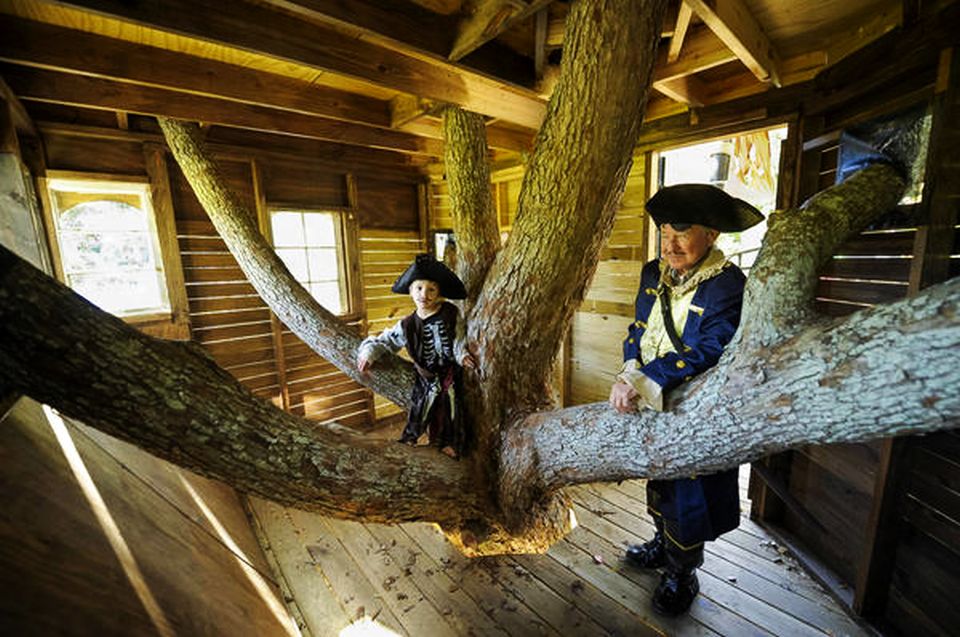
384, 255
599, 327
226, 314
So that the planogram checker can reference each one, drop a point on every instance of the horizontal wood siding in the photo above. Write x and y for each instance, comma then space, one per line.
234, 324
926, 570
227, 316
384, 255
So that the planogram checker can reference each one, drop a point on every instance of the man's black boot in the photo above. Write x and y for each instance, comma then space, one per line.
676, 592
649, 554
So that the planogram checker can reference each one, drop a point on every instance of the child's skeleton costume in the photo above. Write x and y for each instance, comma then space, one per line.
435, 348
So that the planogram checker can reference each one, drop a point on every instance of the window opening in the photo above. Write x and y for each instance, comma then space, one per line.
310, 244
746, 166
108, 244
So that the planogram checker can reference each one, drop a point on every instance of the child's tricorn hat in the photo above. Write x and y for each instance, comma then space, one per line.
428, 268
704, 205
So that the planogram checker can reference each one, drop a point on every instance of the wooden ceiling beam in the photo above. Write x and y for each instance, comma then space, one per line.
488, 19
396, 21
412, 29
702, 50
684, 15
408, 108
78, 90
47, 46
733, 23
236, 142
688, 89
498, 137
265, 31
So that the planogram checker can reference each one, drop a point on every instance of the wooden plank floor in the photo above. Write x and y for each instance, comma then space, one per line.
370, 579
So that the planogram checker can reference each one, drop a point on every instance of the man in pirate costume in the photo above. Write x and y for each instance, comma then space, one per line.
687, 310
430, 337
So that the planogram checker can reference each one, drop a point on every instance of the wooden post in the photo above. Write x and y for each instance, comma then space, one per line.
8, 132
276, 327
355, 262
155, 162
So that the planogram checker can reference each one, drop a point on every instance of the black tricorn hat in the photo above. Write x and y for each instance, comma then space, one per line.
704, 205
428, 268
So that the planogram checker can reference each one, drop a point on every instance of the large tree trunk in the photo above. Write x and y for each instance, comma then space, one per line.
787, 379
570, 193
172, 400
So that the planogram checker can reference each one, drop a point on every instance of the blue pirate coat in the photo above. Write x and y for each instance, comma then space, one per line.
697, 509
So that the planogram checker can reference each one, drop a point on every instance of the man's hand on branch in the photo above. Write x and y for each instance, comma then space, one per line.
623, 397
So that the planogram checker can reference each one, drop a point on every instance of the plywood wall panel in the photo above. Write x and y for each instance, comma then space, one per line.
188, 537
389, 204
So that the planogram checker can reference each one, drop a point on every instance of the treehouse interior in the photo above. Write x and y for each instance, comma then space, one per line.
324, 117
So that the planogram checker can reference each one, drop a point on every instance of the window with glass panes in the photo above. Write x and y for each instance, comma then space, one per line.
108, 245
309, 244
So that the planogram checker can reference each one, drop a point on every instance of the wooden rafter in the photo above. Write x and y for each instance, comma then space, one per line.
489, 19
409, 28
408, 108
733, 23
688, 89
78, 90
52, 47
264, 31
702, 51
679, 32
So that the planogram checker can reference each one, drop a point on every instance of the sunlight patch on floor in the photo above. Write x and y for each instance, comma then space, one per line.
256, 579
366, 627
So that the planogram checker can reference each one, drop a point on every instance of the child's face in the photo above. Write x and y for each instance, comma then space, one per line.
425, 294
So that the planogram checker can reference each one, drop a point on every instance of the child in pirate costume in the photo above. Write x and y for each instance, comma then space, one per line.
687, 310
430, 337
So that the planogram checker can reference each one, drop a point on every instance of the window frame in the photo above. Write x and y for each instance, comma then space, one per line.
342, 218
170, 323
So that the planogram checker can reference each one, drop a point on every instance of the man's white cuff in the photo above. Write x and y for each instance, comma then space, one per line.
649, 393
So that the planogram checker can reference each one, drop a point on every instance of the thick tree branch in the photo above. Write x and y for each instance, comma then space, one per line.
778, 298
890, 370
569, 195
326, 334
173, 401
474, 216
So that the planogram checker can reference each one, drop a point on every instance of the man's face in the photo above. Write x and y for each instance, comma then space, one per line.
682, 249
425, 294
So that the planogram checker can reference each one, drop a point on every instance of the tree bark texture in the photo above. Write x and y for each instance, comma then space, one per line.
570, 193
326, 334
172, 400
780, 291
474, 215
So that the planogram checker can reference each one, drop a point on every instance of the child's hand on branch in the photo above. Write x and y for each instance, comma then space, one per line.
364, 364
468, 362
